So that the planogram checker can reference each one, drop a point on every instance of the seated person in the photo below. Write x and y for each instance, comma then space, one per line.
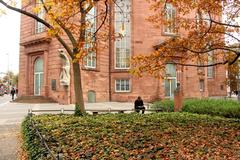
138, 105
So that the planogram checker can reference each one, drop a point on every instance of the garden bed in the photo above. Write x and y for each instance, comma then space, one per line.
135, 136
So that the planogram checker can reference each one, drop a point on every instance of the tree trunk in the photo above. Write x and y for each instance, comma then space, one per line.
78, 86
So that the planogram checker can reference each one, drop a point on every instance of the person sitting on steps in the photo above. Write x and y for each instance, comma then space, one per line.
138, 105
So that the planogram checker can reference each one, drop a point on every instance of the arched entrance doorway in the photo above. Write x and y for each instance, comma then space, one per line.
38, 76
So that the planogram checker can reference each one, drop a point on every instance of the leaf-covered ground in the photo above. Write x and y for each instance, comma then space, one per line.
137, 136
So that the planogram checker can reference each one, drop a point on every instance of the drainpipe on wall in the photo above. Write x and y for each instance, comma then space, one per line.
110, 53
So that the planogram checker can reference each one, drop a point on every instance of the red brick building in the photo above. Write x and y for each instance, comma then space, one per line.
105, 74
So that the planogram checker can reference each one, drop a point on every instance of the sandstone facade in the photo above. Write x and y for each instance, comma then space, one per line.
99, 84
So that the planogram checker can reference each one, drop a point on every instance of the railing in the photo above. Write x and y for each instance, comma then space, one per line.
93, 111
58, 156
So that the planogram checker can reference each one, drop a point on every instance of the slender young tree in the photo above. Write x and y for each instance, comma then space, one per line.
69, 23
198, 29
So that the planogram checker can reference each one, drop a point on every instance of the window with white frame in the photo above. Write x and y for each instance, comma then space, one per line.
39, 27
170, 18
210, 69
202, 18
123, 45
201, 85
122, 85
90, 58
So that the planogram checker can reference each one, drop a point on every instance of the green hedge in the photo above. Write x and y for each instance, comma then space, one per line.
137, 136
215, 107
31, 142
165, 105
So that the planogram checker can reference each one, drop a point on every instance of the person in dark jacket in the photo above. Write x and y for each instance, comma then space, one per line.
12, 93
138, 105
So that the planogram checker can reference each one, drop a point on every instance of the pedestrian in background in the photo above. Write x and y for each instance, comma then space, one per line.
13, 93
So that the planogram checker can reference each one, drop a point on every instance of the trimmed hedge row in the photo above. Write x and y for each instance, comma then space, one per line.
136, 136
214, 107
32, 143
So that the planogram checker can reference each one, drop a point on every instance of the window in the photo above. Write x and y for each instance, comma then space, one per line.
90, 58
39, 26
210, 69
200, 69
201, 85
170, 80
170, 70
123, 45
122, 85
170, 15
202, 19
38, 76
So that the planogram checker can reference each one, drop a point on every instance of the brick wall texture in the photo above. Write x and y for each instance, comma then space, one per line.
101, 81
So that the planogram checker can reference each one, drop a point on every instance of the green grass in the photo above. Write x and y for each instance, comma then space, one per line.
214, 107
137, 136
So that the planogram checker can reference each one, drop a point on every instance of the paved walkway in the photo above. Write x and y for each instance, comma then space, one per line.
9, 141
12, 114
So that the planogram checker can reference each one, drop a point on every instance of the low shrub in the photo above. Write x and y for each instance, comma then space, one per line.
214, 107
77, 111
165, 105
138, 136
31, 142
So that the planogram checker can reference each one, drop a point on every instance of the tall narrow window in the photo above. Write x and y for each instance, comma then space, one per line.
123, 45
170, 18
38, 76
201, 85
210, 69
39, 26
90, 58
170, 80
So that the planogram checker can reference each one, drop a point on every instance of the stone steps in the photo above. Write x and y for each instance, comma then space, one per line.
34, 99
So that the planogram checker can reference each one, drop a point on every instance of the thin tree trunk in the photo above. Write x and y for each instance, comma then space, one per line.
78, 86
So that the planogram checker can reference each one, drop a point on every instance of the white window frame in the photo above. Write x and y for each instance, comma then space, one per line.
201, 85
123, 81
170, 77
90, 60
122, 17
39, 27
210, 69
170, 14
170, 89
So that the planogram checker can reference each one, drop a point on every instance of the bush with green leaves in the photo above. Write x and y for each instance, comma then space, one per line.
215, 107
165, 105
139, 136
31, 141
77, 111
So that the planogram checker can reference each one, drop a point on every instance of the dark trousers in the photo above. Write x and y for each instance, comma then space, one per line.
138, 108
12, 96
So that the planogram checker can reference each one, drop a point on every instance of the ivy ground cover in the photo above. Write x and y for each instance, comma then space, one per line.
136, 136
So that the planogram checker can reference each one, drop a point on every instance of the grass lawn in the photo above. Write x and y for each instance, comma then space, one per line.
137, 136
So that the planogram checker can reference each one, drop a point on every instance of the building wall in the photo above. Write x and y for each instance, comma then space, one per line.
101, 80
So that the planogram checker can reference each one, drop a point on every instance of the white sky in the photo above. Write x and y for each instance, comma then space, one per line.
9, 41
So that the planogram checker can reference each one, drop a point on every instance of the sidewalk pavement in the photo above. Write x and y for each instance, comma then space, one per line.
12, 114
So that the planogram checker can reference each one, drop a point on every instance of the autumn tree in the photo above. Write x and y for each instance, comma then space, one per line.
198, 29
233, 80
69, 22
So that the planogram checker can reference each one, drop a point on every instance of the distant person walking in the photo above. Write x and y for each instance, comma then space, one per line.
13, 93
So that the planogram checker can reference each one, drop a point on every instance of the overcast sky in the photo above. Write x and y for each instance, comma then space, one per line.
9, 41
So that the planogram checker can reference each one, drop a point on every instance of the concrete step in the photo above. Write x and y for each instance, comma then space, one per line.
34, 99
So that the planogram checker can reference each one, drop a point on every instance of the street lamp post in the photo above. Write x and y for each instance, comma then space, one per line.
8, 71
